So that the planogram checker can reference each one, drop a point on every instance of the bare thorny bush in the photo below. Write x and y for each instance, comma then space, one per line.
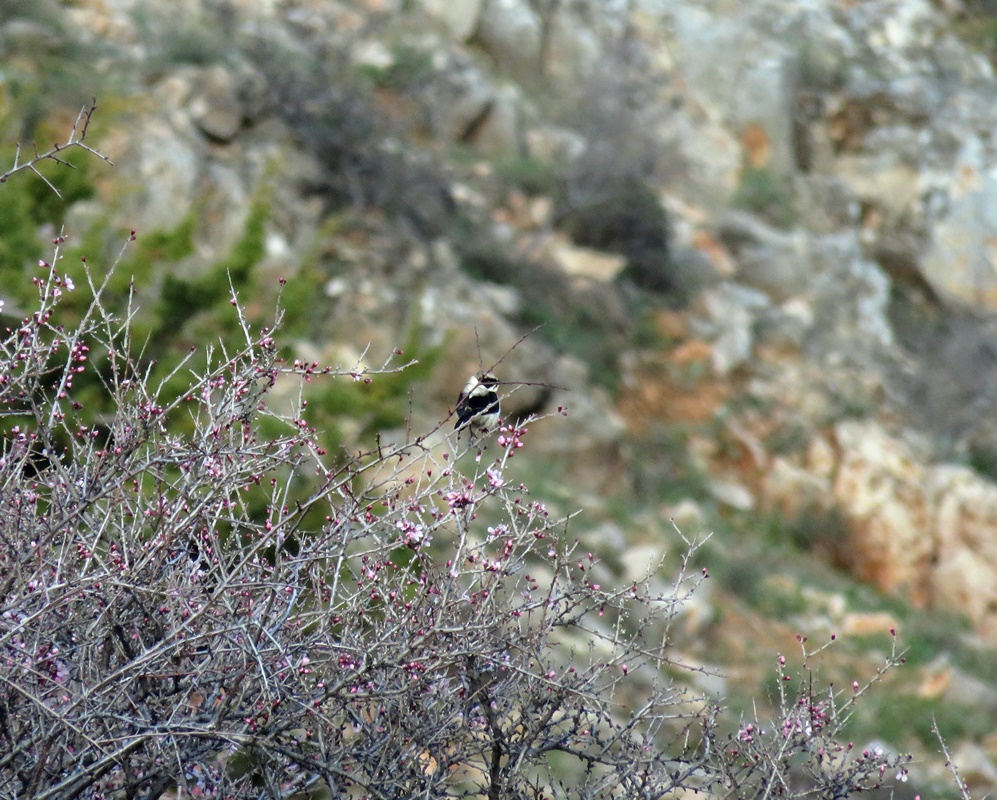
191, 608
802, 751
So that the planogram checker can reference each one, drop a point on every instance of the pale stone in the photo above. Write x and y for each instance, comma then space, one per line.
460, 18
961, 263
880, 488
215, 108
794, 490
868, 624
732, 494
583, 262
881, 179
510, 31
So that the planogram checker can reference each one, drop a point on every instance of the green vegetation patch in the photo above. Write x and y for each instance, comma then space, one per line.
375, 405
763, 192
409, 66
531, 175
182, 298
26, 203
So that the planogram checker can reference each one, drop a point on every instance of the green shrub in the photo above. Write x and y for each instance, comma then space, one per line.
182, 298
531, 175
410, 66
483, 259
25, 204
575, 323
763, 192
623, 215
904, 719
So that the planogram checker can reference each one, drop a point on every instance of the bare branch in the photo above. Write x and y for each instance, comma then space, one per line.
75, 139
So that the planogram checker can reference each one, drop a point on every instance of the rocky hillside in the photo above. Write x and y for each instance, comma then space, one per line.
741, 256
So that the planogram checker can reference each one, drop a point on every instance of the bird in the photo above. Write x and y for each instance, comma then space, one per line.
478, 406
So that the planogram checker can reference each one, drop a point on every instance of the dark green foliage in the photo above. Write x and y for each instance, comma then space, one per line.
582, 328
169, 246
754, 578
182, 298
931, 635
625, 217
647, 335
486, 260
26, 203
590, 323
662, 468
378, 405
74, 183
901, 717
299, 296
983, 459
742, 577
824, 530
19, 245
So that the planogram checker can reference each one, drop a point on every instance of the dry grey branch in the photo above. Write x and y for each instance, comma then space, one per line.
76, 139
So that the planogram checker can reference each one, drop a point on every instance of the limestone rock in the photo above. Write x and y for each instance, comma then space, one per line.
733, 309
882, 179
965, 576
851, 298
961, 264
786, 326
215, 108
510, 32
460, 19
794, 490
745, 79
880, 487
584, 262
732, 494
929, 532
868, 623
773, 261
168, 165
499, 132
462, 98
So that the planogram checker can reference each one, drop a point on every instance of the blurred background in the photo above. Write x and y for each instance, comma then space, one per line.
752, 249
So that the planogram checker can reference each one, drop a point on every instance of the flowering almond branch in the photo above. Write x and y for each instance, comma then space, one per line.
187, 603
195, 600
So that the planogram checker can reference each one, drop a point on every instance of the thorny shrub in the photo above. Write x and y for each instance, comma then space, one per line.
168, 618
191, 608
802, 751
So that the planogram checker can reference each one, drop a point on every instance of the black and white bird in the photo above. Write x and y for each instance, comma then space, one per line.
478, 405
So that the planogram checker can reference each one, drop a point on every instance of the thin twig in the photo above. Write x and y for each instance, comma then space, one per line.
76, 139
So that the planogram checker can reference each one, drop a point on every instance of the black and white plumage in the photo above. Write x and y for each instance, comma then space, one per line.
478, 406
